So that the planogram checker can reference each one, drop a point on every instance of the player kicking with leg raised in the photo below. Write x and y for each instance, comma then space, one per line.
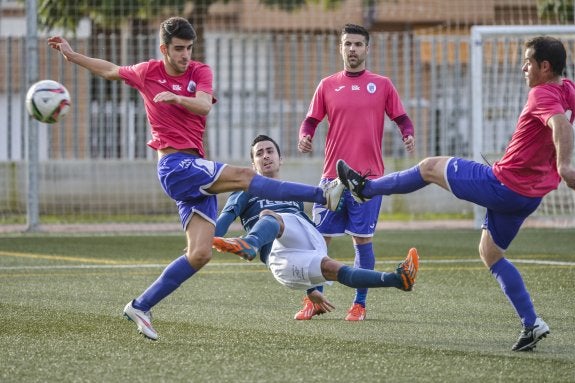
538, 156
177, 93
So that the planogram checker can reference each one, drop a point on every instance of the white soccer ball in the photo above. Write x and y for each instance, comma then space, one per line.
47, 101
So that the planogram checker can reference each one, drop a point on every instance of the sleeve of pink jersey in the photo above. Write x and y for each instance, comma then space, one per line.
204, 79
133, 75
544, 104
317, 106
394, 107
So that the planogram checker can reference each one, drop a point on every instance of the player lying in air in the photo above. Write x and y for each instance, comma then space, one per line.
290, 245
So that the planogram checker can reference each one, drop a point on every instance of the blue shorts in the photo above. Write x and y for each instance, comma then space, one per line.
357, 219
185, 178
506, 209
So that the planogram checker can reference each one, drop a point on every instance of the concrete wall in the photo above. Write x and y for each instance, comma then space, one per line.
117, 187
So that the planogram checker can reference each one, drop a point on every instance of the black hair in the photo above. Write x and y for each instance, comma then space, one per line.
177, 27
550, 49
355, 29
263, 137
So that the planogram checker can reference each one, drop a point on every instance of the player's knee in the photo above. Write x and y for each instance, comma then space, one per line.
431, 168
198, 257
278, 218
245, 176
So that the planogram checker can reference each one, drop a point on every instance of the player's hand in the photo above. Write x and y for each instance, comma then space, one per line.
304, 144
320, 301
60, 44
168, 97
409, 143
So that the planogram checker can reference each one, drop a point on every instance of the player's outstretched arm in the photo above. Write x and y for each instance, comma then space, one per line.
99, 67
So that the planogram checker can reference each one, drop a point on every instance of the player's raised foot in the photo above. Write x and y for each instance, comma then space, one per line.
333, 193
531, 335
355, 313
236, 246
407, 270
308, 310
142, 319
352, 180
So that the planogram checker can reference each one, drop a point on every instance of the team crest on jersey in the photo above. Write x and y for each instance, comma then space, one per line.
371, 88
192, 86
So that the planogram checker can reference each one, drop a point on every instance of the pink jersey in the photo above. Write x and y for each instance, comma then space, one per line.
171, 125
529, 166
355, 109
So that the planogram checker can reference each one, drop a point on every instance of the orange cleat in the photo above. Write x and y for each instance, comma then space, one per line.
407, 270
355, 313
308, 311
235, 246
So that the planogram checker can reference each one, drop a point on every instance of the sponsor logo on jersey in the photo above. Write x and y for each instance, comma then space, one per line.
355, 87
371, 88
339, 88
176, 87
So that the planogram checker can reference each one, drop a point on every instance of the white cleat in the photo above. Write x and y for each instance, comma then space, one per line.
142, 319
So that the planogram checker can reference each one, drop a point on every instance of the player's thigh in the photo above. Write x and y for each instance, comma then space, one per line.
232, 178
300, 234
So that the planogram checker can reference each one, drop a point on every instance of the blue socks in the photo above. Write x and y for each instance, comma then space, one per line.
364, 259
275, 190
514, 289
361, 278
263, 232
171, 278
402, 182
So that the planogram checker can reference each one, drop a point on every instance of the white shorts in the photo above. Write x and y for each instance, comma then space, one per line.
295, 257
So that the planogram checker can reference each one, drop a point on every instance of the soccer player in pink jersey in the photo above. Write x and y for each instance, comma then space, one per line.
538, 156
355, 102
178, 96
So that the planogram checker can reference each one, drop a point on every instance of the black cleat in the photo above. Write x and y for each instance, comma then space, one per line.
352, 180
531, 335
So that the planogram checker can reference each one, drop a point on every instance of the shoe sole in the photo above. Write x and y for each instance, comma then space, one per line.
239, 247
531, 346
342, 168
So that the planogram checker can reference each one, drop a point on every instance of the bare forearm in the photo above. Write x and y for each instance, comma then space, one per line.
563, 140
99, 67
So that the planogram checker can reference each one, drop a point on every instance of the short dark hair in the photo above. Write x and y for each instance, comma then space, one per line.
177, 27
550, 49
260, 138
355, 29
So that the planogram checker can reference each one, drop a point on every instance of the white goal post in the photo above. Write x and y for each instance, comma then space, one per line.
498, 94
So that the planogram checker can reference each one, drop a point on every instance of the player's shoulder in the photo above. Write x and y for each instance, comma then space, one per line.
198, 66
376, 77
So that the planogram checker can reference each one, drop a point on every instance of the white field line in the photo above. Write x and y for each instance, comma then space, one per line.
252, 264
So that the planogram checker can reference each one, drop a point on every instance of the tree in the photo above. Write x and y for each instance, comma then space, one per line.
111, 14
556, 10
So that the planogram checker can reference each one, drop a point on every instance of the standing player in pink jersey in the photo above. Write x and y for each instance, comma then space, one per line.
177, 93
537, 158
355, 102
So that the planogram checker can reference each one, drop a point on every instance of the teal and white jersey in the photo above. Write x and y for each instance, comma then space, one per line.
248, 208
